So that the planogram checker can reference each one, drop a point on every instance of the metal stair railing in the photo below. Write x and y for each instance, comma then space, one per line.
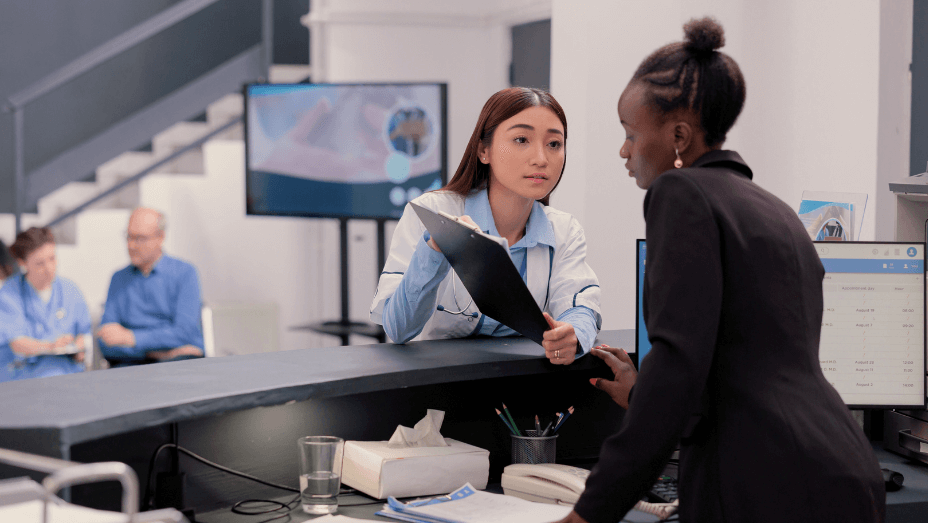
24, 192
146, 171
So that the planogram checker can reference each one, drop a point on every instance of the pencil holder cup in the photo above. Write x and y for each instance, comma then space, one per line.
532, 448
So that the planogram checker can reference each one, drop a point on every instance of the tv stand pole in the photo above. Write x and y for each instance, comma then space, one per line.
344, 327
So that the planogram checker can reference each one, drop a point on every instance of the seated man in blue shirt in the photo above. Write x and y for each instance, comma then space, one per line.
152, 311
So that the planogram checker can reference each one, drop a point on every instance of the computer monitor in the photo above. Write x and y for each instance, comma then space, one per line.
872, 347
642, 344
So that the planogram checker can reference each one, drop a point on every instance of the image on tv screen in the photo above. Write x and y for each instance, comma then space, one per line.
338, 150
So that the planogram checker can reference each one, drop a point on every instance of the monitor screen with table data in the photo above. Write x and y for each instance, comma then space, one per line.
872, 348
873, 327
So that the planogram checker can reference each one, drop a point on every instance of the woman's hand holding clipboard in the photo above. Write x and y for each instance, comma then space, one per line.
463, 220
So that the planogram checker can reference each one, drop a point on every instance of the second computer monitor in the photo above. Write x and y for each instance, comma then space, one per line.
873, 327
872, 347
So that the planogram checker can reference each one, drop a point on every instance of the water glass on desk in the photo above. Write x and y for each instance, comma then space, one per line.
320, 473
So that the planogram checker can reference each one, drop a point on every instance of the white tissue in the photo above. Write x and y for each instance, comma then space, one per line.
424, 434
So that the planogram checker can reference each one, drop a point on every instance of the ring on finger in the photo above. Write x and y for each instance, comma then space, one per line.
557, 354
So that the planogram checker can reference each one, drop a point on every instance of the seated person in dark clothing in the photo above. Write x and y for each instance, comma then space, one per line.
7, 265
152, 311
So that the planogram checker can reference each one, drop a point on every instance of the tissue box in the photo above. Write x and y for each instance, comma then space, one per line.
380, 471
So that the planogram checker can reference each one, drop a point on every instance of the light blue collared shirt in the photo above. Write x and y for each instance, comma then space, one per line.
407, 311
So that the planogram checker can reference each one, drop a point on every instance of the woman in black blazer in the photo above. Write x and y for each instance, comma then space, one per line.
733, 306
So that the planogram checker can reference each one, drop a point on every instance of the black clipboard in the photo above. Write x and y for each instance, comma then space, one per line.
487, 272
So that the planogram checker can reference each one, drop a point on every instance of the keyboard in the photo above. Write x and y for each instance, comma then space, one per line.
664, 491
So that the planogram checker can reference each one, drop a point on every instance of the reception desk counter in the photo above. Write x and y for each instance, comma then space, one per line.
246, 412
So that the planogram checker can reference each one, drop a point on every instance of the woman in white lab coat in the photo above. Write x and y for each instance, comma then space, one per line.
513, 161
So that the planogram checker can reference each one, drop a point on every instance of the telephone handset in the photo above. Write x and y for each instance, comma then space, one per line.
562, 485
545, 483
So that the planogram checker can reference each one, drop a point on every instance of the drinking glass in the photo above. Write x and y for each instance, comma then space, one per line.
320, 473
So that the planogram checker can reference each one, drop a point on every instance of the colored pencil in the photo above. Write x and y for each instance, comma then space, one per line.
567, 415
500, 414
511, 421
545, 433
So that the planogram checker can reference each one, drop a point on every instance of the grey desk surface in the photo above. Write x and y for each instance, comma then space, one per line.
913, 497
361, 507
910, 504
83, 407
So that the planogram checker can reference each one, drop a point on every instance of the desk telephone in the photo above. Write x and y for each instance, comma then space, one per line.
562, 485
545, 483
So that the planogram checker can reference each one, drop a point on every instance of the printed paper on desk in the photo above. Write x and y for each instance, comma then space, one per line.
378, 470
468, 505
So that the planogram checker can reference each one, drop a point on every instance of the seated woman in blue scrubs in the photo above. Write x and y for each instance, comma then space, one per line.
515, 158
41, 314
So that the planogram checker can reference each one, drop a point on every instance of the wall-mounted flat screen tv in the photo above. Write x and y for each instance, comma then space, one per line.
343, 150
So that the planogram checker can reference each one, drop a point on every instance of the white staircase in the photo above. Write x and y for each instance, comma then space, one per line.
129, 163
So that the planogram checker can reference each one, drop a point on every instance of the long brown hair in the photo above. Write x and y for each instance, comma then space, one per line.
472, 174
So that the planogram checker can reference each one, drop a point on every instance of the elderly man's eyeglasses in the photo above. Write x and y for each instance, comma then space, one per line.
140, 238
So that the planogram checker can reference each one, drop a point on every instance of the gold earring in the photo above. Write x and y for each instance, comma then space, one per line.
678, 162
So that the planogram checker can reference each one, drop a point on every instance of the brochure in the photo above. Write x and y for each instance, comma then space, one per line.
469, 505
826, 220
833, 216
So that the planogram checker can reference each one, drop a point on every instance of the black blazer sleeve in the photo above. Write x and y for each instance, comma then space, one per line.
682, 315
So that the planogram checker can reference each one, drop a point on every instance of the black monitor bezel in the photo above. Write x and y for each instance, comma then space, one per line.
924, 403
443, 96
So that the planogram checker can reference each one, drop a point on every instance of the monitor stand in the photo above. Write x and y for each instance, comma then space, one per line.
344, 327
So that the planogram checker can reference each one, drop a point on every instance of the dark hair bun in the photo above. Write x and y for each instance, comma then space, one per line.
703, 36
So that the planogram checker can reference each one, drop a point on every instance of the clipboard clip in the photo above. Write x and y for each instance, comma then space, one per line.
475, 228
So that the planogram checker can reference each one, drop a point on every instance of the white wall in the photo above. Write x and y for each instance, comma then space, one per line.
895, 113
7, 229
810, 119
